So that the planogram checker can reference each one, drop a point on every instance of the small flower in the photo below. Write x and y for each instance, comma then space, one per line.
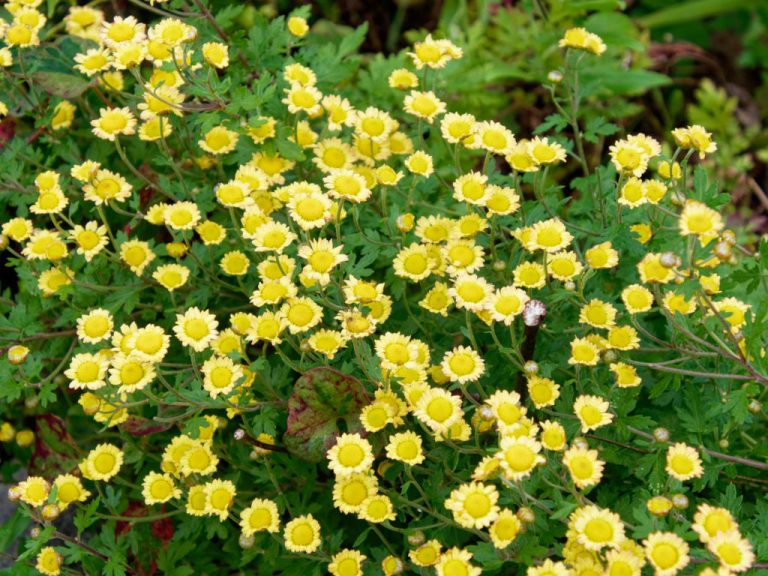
597, 528
456, 561
667, 552
220, 375
113, 122
519, 456
424, 105
102, 463
350, 454
592, 412
219, 495
683, 462
196, 328
49, 561
159, 488
302, 534
218, 140
260, 516
474, 505
405, 447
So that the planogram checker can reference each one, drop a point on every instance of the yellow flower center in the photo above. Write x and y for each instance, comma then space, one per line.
260, 519
104, 463
581, 467
87, 240
196, 328
221, 377
462, 363
87, 371
440, 409
221, 498
477, 504
730, 553
519, 457
599, 530
161, 489
351, 455
302, 535
681, 463
665, 555
354, 493
407, 449
131, 373
300, 314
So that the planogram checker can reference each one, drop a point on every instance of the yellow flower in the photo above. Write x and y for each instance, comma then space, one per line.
564, 265
734, 552
683, 462
676, 303
34, 491
303, 98
463, 364
158, 488
584, 352
301, 314
196, 501
196, 328
580, 39
695, 137
550, 236
350, 454
518, 456
654, 191
405, 447
87, 370
584, 466
602, 256
122, 31
220, 375
95, 326
260, 516
653, 271
218, 140
216, 54
667, 552
734, 311
211, 233
637, 298
69, 489
424, 105
63, 115
597, 528
102, 463
434, 53
18, 229
402, 79
105, 186
219, 495
471, 188
548, 568
130, 373
629, 158
504, 529
90, 239
137, 254
474, 505
592, 412
412, 262
709, 521
457, 128
632, 193
597, 314
552, 435
171, 276
438, 409
45, 245
49, 561
428, 554
529, 275
297, 26
114, 122
302, 534
272, 236
626, 375
700, 220
197, 458
456, 561
347, 563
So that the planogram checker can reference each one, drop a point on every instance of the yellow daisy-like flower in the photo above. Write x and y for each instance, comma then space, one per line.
310, 209
18, 229
211, 233
653, 271
413, 263
637, 298
695, 137
327, 342
137, 254
462, 256
303, 98
623, 563
218, 140
402, 79
505, 408
297, 26
709, 521
529, 275
158, 488
734, 311
301, 314
171, 276
732, 550
463, 364
424, 105
581, 39
45, 245
235, 263
543, 392
427, 554
130, 373
438, 409
471, 188
683, 462
351, 491
552, 435
102, 463
196, 328
322, 257
106, 186
632, 193
347, 563
625, 374
471, 292
49, 562
344, 184
700, 220
95, 326
114, 122
87, 371
260, 516
602, 256
506, 303
677, 304
220, 375
196, 501
493, 137
219, 496
474, 505
182, 215
623, 338
93, 61
197, 458
629, 158
69, 489
149, 343
438, 299
504, 529
456, 561
302, 534
420, 163
34, 491
216, 54
350, 454
550, 236
405, 447
519, 456
273, 236
597, 314
90, 239
592, 412
564, 265
597, 528
584, 352
667, 552
548, 568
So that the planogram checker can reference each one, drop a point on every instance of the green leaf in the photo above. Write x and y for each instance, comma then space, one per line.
61, 84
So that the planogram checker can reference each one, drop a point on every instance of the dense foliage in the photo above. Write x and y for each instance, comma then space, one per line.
276, 307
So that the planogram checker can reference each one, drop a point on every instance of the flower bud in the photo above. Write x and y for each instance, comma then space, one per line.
581, 442
659, 505
668, 260
531, 367
680, 501
3, 241
14, 493
610, 356
729, 236
569, 285
755, 406
722, 250
661, 435
25, 438
176, 249
17, 354
526, 515
416, 538
50, 512
238, 434
534, 312
35, 532
246, 541
499, 265
555, 76
405, 222
724, 443
7, 432
677, 198
391, 566
382, 468
486, 413
297, 26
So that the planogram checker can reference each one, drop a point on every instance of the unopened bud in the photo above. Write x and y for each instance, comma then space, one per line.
17, 354
486, 413
534, 312
580, 442
405, 222
14, 493
239, 434
305, 347
3, 241
531, 367
416, 538
729, 236
610, 356
680, 501
723, 443
555, 76
668, 259
246, 541
659, 505
526, 515
722, 250
499, 265
677, 198
661, 435
755, 406
570, 285
51, 512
